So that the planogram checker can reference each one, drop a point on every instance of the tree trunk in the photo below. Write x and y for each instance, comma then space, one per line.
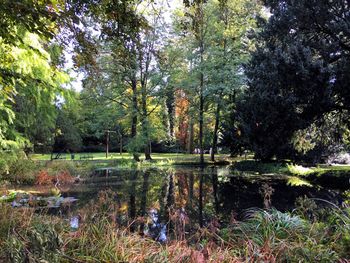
134, 115
201, 117
201, 88
215, 135
171, 114
121, 145
145, 126
190, 137
214, 180
144, 115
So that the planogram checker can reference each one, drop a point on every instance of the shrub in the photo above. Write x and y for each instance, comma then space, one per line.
16, 168
43, 178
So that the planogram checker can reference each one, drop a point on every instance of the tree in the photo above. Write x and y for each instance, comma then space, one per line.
297, 73
228, 50
31, 69
214, 39
30, 87
126, 66
67, 133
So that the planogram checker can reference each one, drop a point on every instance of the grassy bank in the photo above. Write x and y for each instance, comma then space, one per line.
331, 177
28, 172
288, 168
173, 158
17, 169
309, 234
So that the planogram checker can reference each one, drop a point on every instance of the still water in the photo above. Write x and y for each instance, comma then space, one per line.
201, 194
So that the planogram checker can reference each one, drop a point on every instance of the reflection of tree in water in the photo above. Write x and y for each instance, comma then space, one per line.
182, 187
167, 198
214, 181
132, 199
192, 192
200, 206
143, 206
191, 185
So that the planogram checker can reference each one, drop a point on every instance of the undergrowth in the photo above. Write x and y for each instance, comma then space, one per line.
17, 169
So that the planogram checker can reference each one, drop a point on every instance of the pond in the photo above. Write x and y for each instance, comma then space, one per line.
200, 194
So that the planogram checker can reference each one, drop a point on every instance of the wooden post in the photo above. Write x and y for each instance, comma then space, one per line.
107, 141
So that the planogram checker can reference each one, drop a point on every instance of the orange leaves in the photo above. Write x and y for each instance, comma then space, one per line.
43, 178
62, 177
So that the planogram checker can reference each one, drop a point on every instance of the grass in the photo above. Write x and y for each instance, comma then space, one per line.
288, 168
308, 234
100, 156
126, 160
19, 170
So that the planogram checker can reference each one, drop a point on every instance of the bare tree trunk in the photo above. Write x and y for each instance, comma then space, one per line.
169, 102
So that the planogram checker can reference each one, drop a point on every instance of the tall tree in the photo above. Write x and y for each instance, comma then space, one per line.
297, 73
228, 50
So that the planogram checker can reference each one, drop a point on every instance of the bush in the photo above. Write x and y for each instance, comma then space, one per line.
261, 167
16, 168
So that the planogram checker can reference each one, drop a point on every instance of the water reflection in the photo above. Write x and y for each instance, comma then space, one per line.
151, 198
202, 193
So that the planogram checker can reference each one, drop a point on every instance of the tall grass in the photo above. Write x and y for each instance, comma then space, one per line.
308, 234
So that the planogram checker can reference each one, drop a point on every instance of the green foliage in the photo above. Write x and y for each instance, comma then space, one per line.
30, 81
16, 168
261, 167
299, 170
266, 227
6, 160
29, 97
67, 133
295, 76
43, 244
